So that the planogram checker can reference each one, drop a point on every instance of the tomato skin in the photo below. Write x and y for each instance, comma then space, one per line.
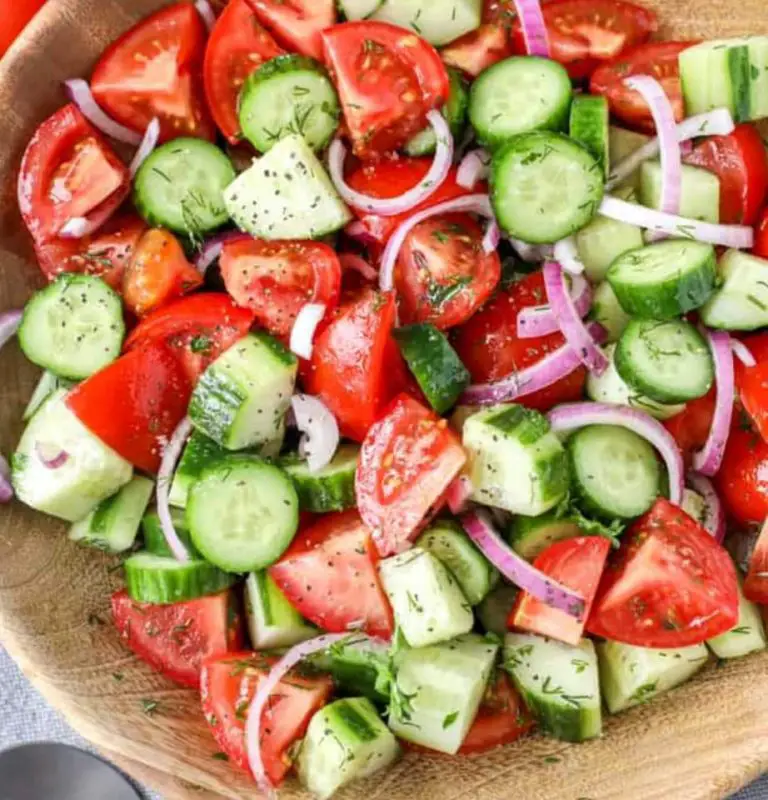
276, 279
761, 235
690, 428
490, 348
387, 79
756, 582
165, 82
477, 50
15, 18
227, 687
576, 563
236, 47
135, 403
752, 382
406, 462
742, 481
298, 24
329, 574
669, 585
740, 162
176, 639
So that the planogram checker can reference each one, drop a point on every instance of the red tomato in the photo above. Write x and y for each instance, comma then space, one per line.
576, 563
68, 171
329, 575
297, 24
158, 272
582, 33
275, 279
387, 79
236, 47
761, 235
740, 161
406, 462
658, 59
176, 639
227, 687
349, 359
15, 17
756, 583
690, 428
478, 49
392, 178
752, 383
742, 481
155, 70
198, 329
670, 584
135, 403
490, 348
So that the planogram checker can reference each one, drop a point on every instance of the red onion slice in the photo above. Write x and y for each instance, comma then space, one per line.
212, 248
534, 27
458, 493
474, 167
742, 352
707, 461
171, 455
714, 521
55, 459
79, 92
532, 253
571, 416
391, 206
567, 254
491, 238
206, 12
359, 264
6, 488
148, 144
552, 368
303, 332
359, 232
574, 330
518, 570
320, 430
74, 228
540, 320
9, 324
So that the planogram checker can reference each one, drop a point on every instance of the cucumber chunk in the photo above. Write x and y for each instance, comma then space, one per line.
424, 143
154, 538
331, 488
359, 666
607, 310
700, 191
621, 144
161, 580
431, 21
91, 473
632, 675
493, 612
46, 386
559, 683
73, 327
589, 126
241, 399
438, 690
529, 536
286, 194
345, 741
741, 302
114, 523
426, 599
602, 241
544, 187
514, 460
272, 621
747, 636
242, 514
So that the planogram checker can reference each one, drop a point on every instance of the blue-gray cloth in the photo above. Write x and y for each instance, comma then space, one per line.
26, 717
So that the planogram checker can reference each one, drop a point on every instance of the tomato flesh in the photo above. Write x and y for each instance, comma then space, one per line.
760, 248
690, 428
756, 582
297, 24
477, 50
752, 383
15, 17
742, 481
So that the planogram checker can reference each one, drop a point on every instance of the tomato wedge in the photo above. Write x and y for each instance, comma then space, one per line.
275, 279
236, 47
176, 639
406, 462
227, 687
670, 584
135, 403
297, 24
155, 70
68, 171
761, 235
752, 383
478, 49
576, 563
742, 481
329, 575
756, 583
15, 18
660, 61
387, 79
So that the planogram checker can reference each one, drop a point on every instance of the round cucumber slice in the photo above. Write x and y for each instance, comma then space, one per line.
162, 580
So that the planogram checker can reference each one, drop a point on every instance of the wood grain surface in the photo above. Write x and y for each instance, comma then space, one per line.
704, 740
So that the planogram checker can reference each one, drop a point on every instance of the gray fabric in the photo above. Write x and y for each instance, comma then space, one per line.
26, 717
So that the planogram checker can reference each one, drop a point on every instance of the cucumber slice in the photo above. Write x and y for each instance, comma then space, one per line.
607, 310
272, 621
154, 538
114, 523
286, 194
514, 460
426, 599
700, 191
602, 241
694, 506
431, 21
241, 399
180, 186
518, 95
289, 94
46, 386
528, 536
434, 363
669, 361
438, 690
632, 675
622, 143
359, 666
615, 471
242, 514
665, 279
162, 581
493, 612
544, 187
558, 682
455, 550
747, 636
91, 473
741, 302
345, 741
455, 113
331, 488
589, 126
73, 327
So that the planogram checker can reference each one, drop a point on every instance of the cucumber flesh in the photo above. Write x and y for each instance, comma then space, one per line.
46, 386
589, 126
607, 310
700, 191
331, 488
359, 666
602, 241
621, 144
741, 302
154, 538
162, 581
747, 636
272, 621
493, 612
528, 536
431, 21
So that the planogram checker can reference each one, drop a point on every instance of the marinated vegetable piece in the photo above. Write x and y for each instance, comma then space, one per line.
741, 301
699, 191
589, 126
331, 488
747, 636
272, 621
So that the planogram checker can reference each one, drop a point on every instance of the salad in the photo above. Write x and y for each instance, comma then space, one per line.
430, 340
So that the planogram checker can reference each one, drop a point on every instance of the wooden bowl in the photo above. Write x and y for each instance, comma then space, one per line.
704, 740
